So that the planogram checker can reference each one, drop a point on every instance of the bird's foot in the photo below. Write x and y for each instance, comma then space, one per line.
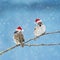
22, 45
36, 37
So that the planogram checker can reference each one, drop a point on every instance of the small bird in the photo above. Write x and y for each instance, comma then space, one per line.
40, 29
18, 36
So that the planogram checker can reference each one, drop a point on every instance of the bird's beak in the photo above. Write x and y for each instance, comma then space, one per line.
23, 30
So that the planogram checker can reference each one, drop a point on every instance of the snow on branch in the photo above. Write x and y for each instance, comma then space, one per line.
2, 52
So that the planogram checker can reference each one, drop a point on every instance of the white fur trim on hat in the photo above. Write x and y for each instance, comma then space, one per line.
39, 21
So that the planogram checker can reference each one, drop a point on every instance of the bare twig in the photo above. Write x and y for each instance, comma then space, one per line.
2, 52
52, 44
42, 35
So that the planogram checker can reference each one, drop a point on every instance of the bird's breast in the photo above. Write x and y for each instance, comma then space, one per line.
39, 30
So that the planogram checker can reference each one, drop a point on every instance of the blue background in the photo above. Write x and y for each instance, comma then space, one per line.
24, 12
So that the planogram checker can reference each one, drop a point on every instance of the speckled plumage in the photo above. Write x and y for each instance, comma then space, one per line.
39, 30
19, 38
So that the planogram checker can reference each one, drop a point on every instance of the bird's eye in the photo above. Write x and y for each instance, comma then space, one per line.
15, 31
40, 25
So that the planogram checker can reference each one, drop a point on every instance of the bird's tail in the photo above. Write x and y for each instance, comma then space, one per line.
22, 44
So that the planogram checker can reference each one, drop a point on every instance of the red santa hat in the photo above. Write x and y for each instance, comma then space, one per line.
19, 28
38, 20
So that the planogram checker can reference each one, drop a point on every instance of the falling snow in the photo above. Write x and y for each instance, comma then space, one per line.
21, 12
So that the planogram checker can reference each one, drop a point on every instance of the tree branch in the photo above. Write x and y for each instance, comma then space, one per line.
42, 35
52, 44
2, 52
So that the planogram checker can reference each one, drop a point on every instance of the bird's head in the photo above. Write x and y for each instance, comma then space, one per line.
18, 29
38, 21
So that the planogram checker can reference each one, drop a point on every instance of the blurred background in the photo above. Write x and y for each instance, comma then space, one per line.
14, 13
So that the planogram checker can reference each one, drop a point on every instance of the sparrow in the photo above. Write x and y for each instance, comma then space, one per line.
40, 28
18, 36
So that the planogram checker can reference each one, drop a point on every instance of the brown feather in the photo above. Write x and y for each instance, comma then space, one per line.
19, 38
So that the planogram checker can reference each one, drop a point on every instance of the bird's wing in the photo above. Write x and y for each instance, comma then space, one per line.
21, 37
16, 36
